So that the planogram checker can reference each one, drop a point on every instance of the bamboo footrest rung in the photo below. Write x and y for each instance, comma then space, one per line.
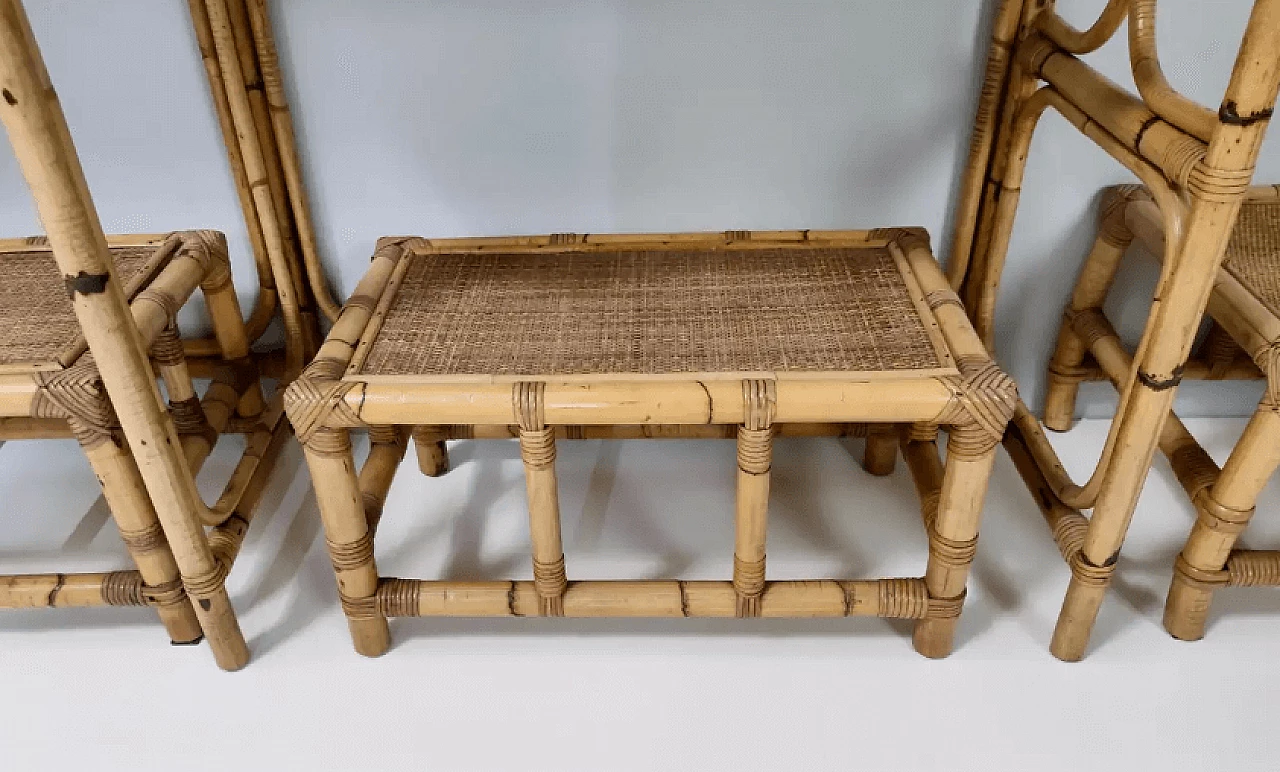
887, 598
1253, 568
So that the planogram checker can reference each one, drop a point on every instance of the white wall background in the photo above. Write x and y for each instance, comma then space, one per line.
482, 117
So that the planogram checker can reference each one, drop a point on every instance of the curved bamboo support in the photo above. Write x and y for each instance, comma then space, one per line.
1196, 120
1074, 41
1080, 497
41, 140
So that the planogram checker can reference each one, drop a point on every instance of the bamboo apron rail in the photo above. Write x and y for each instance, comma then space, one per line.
736, 333
1195, 163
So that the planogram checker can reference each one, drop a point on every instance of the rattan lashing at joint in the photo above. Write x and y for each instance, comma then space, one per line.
1185, 573
78, 395
1089, 574
1218, 518
983, 403
351, 556
312, 401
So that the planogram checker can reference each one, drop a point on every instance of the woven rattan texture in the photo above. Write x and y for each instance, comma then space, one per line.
37, 322
1253, 254
660, 312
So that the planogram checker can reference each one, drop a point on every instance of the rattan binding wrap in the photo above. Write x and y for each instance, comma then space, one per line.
652, 313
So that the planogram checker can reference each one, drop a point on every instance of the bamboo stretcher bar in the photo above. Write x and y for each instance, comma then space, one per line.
889, 598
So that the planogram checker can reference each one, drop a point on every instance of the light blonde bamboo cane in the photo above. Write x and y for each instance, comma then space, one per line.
1075, 41
387, 445
30, 591
433, 454
1216, 193
994, 83
349, 539
259, 184
881, 451
1164, 100
264, 305
282, 122
127, 499
1224, 511
40, 138
889, 598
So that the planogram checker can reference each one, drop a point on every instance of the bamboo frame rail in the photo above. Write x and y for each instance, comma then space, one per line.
1197, 166
146, 457
341, 390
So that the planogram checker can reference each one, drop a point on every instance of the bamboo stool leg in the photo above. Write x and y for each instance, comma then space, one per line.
348, 537
755, 457
228, 322
538, 451
953, 536
881, 452
433, 453
1096, 278
42, 142
1223, 512
386, 450
140, 529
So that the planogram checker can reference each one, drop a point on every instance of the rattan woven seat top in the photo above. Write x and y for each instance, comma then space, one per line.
700, 311
38, 327
1253, 254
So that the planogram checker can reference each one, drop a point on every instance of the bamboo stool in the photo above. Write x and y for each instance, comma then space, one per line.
1197, 165
83, 371
1243, 343
743, 329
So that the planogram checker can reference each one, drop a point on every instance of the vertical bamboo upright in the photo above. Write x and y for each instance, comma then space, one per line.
1197, 166
38, 132
237, 46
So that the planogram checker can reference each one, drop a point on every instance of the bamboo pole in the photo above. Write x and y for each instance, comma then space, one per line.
1216, 193
258, 176
994, 83
41, 141
282, 122
888, 598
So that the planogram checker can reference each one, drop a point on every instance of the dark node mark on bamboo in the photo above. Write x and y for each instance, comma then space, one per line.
711, 410
206, 604
1230, 115
193, 642
1147, 124
57, 587
1162, 385
86, 284
10, 98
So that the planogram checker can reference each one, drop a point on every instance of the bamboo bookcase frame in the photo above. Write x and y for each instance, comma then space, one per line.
150, 487
966, 393
1197, 165
1243, 343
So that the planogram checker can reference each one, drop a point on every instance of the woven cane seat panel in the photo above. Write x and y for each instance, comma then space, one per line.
1253, 254
654, 313
38, 327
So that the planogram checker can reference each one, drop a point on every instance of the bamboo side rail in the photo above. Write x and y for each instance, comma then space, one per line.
1197, 165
